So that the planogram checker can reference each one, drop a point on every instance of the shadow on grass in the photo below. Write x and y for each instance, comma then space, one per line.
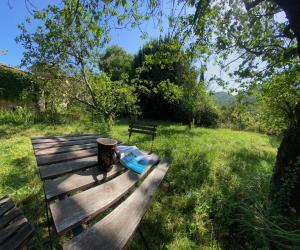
245, 162
19, 175
175, 202
243, 187
179, 132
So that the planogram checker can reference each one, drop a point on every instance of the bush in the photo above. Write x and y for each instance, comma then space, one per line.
208, 117
18, 115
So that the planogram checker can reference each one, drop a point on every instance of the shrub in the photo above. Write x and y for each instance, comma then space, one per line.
18, 115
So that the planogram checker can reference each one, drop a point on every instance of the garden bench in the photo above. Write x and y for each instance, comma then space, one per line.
14, 227
141, 128
73, 183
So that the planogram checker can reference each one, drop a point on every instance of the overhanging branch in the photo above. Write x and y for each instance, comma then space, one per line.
251, 4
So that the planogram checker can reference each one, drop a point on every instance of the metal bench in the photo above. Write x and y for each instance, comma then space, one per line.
142, 128
14, 227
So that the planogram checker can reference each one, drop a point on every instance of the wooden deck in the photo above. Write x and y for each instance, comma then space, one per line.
77, 190
14, 227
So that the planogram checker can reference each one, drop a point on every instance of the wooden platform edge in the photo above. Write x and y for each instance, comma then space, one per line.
114, 230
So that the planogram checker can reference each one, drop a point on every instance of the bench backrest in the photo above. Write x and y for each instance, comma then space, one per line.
148, 129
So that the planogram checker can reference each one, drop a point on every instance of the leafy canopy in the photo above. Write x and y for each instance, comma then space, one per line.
115, 62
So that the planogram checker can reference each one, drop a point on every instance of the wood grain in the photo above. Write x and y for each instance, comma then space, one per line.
54, 170
86, 205
114, 231
57, 150
63, 139
6, 219
18, 239
5, 206
58, 136
78, 181
12, 228
62, 144
68, 156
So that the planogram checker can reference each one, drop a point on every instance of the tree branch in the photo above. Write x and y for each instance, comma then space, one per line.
84, 102
249, 4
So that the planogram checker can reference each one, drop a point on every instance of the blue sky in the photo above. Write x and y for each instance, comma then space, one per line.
13, 12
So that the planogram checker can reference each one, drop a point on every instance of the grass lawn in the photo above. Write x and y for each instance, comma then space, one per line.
215, 175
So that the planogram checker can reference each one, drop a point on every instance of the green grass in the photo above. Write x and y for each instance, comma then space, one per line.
215, 174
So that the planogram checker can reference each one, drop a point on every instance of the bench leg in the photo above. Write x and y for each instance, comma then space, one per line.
143, 239
152, 146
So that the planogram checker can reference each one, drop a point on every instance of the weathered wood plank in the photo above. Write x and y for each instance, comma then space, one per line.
87, 204
6, 206
54, 170
150, 128
58, 150
58, 136
114, 231
68, 156
12, 228
142, 124
141, 131
6, 219
18, 239
78, 181
62, 144
63, 139
4, 200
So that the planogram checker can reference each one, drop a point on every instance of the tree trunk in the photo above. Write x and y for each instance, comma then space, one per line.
292, 11
285, 188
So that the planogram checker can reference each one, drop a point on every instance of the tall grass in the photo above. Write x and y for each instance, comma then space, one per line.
214, 196
18, 115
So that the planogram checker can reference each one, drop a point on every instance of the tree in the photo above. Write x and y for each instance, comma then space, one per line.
263, 46
161, 68
70, 38
277, 100
115, 62
50, 91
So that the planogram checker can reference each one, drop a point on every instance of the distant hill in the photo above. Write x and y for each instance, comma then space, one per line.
223, 99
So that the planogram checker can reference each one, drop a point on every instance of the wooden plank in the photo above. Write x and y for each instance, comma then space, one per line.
58, 136
18, 239
87, 204
68, 156
141, 131
150, 128
12, 228
58, 150
63, 139
4, 200
62, 144
6, 219
78, 181
143, 124
114, 230
6, 206
54, 170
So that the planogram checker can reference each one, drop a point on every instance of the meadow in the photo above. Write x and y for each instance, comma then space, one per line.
213, 197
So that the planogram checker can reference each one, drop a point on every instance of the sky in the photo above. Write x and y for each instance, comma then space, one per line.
13, 12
